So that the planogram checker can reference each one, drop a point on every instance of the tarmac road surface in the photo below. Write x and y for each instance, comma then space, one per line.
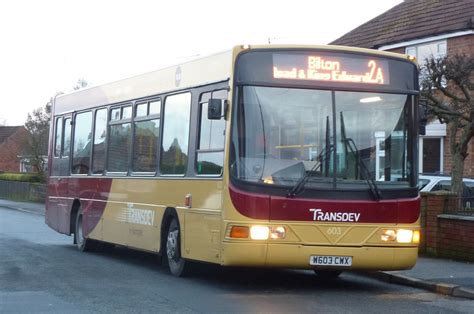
41, 271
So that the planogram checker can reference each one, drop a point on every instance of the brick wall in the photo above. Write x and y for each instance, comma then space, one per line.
445, 235
468, 162
461, 45
455, 237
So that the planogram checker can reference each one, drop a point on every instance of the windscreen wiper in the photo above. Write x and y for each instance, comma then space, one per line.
298, 187
370, 182
354, 150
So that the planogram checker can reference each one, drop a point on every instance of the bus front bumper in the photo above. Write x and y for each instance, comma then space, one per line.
298, 256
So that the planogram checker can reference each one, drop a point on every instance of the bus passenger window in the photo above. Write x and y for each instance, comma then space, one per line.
66, 138
59, 129
174, 154
210, 153
100, 136
127, 112
82, 143
119, 143
145, 138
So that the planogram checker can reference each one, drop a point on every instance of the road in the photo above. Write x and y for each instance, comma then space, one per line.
41, 271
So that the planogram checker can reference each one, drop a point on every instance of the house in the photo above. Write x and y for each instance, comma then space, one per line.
422, 28
11, 143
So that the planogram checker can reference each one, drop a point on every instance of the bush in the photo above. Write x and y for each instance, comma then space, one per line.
21, 176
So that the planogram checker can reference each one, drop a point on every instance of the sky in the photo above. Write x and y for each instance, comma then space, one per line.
47, 45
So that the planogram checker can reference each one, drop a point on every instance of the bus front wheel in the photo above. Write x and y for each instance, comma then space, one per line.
176, 263
83, 244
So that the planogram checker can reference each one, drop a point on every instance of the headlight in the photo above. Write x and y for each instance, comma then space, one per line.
389, 235
401, 236
404, 236
278, 232
259, 232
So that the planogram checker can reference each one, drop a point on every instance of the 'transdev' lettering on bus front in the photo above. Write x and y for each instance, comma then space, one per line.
319, 215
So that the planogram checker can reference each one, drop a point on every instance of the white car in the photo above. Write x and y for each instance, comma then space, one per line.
431, 183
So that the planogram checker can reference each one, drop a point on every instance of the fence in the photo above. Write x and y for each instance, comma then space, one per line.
23, 191
463, 206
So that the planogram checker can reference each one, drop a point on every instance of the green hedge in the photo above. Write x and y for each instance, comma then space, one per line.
20, 176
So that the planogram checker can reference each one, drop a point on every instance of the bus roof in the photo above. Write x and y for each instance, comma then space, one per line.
202, 71
197, 72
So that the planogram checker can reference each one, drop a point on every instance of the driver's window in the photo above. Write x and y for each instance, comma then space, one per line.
210, 152
81, 152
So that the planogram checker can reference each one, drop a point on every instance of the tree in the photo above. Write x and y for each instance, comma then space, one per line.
447, 85
35, 147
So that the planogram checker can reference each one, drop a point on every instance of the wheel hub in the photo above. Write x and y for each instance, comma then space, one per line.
172, 245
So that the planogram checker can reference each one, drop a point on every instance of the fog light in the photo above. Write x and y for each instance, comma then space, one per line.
259, 232
416, 236
278, 232
404, 236
389, 235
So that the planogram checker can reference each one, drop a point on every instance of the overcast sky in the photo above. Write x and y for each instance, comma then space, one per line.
46, 46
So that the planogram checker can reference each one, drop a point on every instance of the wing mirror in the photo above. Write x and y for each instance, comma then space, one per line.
216, 109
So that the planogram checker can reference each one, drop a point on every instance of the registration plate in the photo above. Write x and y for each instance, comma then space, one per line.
327, 260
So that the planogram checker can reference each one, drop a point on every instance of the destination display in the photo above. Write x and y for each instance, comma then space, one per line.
344, 69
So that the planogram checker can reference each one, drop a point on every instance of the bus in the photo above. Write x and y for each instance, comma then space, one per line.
300, 157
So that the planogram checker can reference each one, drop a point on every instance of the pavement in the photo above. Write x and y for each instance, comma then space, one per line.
438, 275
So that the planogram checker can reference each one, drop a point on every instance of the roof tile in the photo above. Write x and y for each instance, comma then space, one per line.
409, 20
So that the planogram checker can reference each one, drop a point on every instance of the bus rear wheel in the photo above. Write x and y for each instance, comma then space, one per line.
83, 244
176, 263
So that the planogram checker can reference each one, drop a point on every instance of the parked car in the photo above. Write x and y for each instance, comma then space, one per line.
432, 183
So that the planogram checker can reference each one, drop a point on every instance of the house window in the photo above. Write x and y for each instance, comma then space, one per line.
424, 51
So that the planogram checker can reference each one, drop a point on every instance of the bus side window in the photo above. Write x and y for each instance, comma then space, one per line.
210, 152
120, 136
66, 140
58, 136
100, 140
145, 137
82, 143
175, 140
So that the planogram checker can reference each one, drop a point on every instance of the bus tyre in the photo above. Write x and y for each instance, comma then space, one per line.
327, 274
176, 263
83, 244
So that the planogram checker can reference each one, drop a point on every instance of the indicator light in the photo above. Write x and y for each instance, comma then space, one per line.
240, 232
416, 236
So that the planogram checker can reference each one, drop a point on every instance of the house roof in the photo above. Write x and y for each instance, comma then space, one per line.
412, 19
7, 131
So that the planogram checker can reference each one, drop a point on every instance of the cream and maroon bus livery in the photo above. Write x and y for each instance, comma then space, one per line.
267, 156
